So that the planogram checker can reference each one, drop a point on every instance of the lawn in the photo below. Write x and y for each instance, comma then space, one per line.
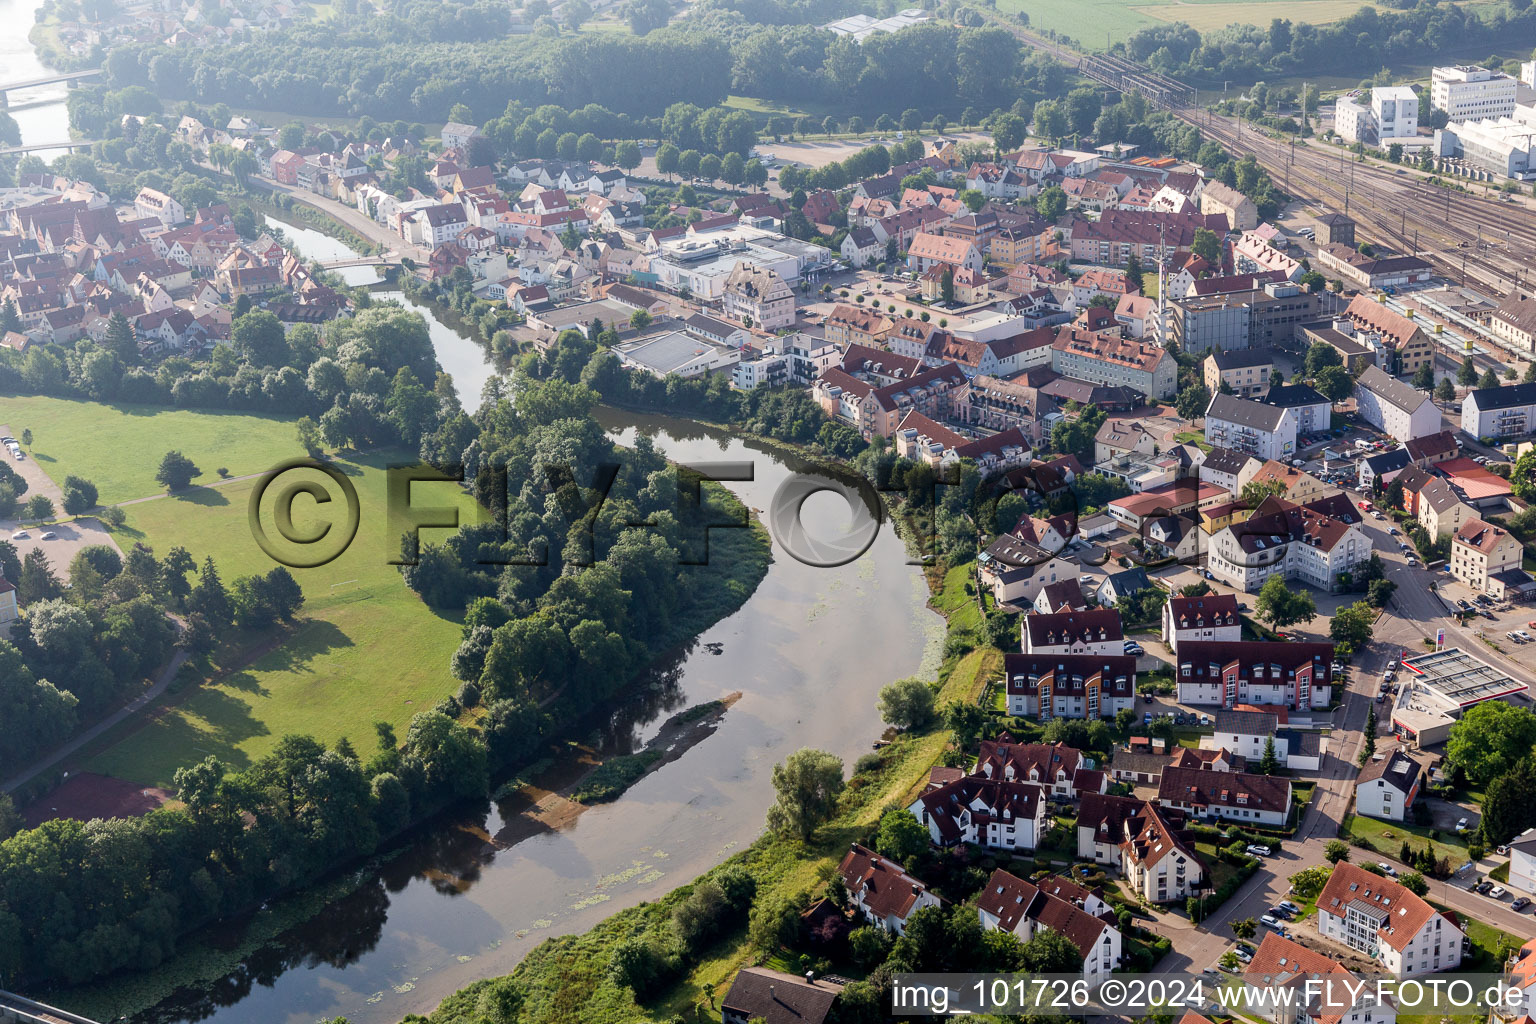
1489, 945
68, 436
365, 649
1447, 845
954, 603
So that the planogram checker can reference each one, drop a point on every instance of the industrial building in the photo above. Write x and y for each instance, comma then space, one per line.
1438, 687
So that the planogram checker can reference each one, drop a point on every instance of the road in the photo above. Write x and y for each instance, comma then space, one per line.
1414, 612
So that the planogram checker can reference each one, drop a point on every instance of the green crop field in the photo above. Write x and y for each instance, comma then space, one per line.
119, 447
365, 648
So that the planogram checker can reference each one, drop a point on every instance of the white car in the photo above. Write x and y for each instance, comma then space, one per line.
1498, 892
1242, 954
50, 535
20, 535
1387, 869
1270, 921
1461, 826
1259, 851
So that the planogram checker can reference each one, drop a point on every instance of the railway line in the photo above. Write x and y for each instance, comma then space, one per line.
1465, 237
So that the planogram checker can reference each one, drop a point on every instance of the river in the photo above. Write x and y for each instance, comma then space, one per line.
477, 892
40, 112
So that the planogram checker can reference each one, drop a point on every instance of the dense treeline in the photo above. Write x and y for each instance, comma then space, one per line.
545, 642
1368, 39
357, 66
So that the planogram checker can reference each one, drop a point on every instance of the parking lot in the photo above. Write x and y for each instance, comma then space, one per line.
60, 542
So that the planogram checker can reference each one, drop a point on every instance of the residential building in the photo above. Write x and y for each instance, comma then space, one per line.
1228, 468
1092, 632
855, 325
1102, 819
929, 250
1210, 323
1147, 369
1508, 411
1403, 339
1249, 733
1440, 509
1314, 413
1263, 431
1231, 796
1522, 861
1294, 485
1288, 983
1245, 371
1016, 572
1480, 551
1514, 324
458, 136
1335, 227
1207, 617
1060, 597
881, 891
1123, 584
1383, 467
761, 995
758, 297
1356, 353
1156, 861
1381, 919
1225, 674
1055, 766
1467, 92
1315, 543
1069, 685
1009, 903
1241, 214
1387, 786
988, 812
440, 224
1352, 119
1397, 408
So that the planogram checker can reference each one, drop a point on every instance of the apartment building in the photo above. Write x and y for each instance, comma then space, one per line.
1069, 685
1480, 551
1246, 371
1314, 544
1398, 408
1145, 368
1381, 919
1508, 411
1263, 431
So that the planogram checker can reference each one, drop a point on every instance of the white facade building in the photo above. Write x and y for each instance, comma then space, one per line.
1467, 92
1399, 409
1379, 918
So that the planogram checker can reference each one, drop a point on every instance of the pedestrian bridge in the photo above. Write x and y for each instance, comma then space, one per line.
16, 1009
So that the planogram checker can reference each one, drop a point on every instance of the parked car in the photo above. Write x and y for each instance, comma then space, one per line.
1270, 921
1482, 887
1498, 892
1146, 698
1259, 851
1387, 869
48, 535
1520, 903
1288, 905
1242, 954
1461, 826
20, 535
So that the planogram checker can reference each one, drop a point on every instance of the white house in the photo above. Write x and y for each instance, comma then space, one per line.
1231, 796
1263, 431
457, 136
1097, 631
1522, 860
1010, 904
1379, 918
881, 890
1399, 409
1499, 412
987, 812
1207, 617
1290, 984
1157, 863
1386, 788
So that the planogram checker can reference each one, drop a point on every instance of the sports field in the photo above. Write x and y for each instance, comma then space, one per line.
119, 447
365, 649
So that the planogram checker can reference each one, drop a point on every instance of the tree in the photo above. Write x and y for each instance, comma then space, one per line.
627, 155
1445, 391
1270, 762
1336, 850
1369, 747
1246, 928
39, 506
947, 286
1255, 491
10, 319
258, 335
1467, 375
906, 703
37, 581
1509, 805
1051, 203
1489, 739
79, 495
1489, 379
1008, 131
1206, 245
209, 598
1333, 383
901, 836
1192, 402
1320, 355
1281, 607
1414, 883
310, 438
965, 719
666, 158
1050, 120
808, 784
1050, 952
1353, 625
176, 471
120, 339
1424, 376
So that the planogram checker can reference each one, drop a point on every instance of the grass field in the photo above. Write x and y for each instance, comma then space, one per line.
365, 649
119, 447
1448, 844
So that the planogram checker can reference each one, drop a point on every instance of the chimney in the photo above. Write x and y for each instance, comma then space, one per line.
810, 977
917, 890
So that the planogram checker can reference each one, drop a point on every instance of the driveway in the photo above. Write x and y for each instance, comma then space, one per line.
70, 537
38, 481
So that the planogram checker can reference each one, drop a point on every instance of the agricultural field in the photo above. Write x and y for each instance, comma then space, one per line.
364, 649
68, 436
